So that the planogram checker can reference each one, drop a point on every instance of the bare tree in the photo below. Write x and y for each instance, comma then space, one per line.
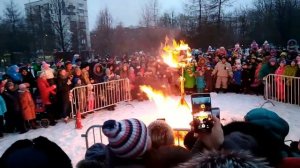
150, 13
15, 33
102, 35
168, 20
217, 5
61, 23
12, 16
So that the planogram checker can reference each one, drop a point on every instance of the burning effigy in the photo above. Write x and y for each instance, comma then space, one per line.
175, 110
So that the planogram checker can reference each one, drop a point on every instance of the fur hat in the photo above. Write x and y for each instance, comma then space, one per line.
127, 138
161, 134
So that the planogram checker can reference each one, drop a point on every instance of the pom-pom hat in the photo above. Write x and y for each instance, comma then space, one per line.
127, 138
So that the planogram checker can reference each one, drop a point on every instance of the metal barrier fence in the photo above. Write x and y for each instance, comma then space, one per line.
94, 135
282, 88
89, 98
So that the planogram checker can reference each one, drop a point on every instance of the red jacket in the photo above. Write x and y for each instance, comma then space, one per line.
45, 89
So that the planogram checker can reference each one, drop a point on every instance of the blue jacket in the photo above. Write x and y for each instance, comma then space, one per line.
237, 76
2, 106
13, 74
200, 82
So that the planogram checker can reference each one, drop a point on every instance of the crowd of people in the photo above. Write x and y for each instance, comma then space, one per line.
236, 70
256, 142
131, 142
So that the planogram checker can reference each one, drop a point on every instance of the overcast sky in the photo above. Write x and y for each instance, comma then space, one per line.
126, 11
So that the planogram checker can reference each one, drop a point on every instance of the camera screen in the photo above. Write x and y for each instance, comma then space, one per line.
201, 104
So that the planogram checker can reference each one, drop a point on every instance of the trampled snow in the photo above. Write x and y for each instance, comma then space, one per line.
232, 106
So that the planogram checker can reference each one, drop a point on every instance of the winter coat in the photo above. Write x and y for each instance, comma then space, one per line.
280, 91
189, 77
208, 80
237, 77
290, 71
200, 82
2, 106
63, 89
45, 90
98, 76
14, 75
246, 77
12, 101
124, 74
266, 69
27, 105
222, 70
85, 77
29, 79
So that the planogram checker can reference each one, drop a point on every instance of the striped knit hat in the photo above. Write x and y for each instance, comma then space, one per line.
127, 138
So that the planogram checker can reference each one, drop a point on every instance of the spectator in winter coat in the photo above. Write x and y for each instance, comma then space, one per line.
98, 73
268, 68
64, 85
13, 116
27, 106
208, 79
280, 81
28, 78
69, 69
124, 72
200, 81
2, 111
223, 71
237, 79
85, 74
13, 73
49, 72
246, 78
45, 90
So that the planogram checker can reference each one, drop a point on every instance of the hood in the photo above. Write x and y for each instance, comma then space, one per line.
98, 73
224, 159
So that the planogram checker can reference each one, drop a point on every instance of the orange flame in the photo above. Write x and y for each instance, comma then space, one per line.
177, 53
176, 114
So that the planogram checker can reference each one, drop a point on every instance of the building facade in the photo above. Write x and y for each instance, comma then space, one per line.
67, 19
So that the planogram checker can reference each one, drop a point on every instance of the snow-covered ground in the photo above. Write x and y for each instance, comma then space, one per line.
233, 107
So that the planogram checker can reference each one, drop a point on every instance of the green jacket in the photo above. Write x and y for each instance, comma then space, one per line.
189, 76
265, 70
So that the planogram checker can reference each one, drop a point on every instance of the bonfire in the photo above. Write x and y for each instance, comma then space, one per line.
176, 112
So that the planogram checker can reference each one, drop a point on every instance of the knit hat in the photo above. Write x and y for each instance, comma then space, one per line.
22, 86
276, 125
127, 138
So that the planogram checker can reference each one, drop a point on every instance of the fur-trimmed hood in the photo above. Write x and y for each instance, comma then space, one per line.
224, 160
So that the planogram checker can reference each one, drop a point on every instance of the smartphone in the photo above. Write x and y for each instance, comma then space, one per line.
202, 112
